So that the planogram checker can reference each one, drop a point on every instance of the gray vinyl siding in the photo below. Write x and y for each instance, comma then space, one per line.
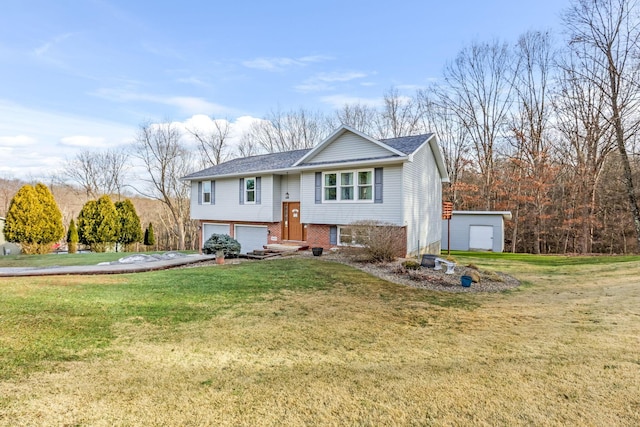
276, 203
349, 146
227, 205
292, 186
342, 213
422, 187
461, 225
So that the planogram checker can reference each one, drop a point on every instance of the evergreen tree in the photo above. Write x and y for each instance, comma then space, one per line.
72, 238
33, 219
130, 228
98, 224
149, 238
52, 230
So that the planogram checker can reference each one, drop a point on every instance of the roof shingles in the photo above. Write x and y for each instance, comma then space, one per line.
279, 161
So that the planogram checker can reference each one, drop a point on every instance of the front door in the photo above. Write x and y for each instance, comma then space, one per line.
291, 221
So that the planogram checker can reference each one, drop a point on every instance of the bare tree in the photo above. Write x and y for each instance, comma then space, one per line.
165, 160
453, 137
212, 143
293, 130
607, 33
478, 91
529, 124
98, 172
400, 116
587, 140
359, 116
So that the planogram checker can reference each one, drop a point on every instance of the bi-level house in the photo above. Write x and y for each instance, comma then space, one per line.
312, 196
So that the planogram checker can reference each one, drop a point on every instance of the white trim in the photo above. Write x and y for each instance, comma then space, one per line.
505, 214
210, 192
246, 191
355, 186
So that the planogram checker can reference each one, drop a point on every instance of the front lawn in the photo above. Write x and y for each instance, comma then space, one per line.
308, 342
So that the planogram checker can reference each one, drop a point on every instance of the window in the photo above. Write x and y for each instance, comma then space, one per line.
330, 186
250, 190
365, 185
206, 192
353, 236
345, 186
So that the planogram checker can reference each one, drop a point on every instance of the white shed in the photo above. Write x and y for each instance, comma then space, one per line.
475, 231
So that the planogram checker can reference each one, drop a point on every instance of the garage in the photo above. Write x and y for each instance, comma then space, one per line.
251, 237
209, 229
475, 231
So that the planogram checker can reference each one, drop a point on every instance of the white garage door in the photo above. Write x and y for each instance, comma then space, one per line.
251, 237
209, 229
481, 237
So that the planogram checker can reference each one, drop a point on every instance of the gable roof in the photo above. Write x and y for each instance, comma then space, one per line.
337, 134
398, 148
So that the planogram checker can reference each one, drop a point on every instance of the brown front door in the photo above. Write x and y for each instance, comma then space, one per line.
291, 220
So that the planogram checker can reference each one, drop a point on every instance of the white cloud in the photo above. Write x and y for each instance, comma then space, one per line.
16, 141
324, 81
281, 63
339, 101
186, 104
34, 143
45, 47
84, 141
192, 81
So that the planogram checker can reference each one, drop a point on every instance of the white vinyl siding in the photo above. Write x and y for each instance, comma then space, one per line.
349, 146
346, 212
422, 187
228, 207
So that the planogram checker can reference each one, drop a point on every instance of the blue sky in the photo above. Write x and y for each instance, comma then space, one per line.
84, 74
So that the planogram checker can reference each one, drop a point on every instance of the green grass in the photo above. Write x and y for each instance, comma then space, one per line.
59, 319
62, 260
302, 341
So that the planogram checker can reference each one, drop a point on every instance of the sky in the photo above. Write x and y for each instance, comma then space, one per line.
84, 74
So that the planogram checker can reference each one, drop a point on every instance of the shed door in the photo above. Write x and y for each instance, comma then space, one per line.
251, 237
481, 237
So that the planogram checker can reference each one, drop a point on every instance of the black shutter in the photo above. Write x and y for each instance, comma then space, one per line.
213, 192
199, 193
258, 190
318, 187
333, 235
241, 191
377, 191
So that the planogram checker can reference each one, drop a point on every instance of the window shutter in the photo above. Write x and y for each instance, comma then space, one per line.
213, 192
241, 191
258, 188
199, 192
333, 235
377, 185
318, 187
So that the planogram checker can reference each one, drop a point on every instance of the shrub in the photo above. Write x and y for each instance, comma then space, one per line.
34, 219
411, 265
375, 241
72, 238
221, 242
98, 224
130, 230
149, 238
